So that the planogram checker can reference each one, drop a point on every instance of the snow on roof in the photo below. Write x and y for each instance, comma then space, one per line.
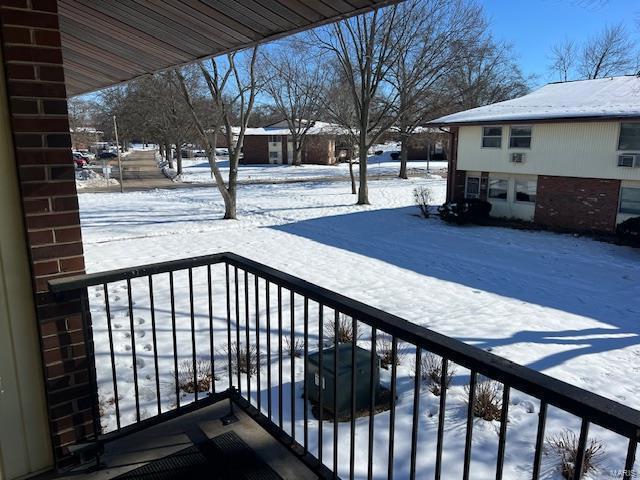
318, 128
603, 97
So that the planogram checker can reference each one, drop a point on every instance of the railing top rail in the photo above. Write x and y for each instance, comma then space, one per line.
582, 403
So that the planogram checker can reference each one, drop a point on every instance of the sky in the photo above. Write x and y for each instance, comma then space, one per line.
534, 26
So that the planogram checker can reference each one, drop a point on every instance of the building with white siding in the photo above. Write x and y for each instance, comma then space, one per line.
566, 155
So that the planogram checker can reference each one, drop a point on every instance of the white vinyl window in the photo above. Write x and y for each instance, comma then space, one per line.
491, 137
274, 138
472, 187
630, 200
498, 188
520, 137
273, 154
526, 190
629, 137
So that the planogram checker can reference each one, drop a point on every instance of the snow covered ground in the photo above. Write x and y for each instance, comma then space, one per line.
197, 170
563, 305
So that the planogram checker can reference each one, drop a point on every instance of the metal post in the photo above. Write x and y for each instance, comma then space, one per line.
115, 129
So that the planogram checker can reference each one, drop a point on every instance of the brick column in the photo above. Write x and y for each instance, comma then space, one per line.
36, 92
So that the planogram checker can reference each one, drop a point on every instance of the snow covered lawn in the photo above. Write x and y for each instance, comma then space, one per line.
563, 305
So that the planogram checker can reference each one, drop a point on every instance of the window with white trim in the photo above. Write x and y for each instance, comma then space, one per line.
491, 137
274, 154
498, 188
629, 139
274, 138
526, 191
472, 187
630, 200
520, 137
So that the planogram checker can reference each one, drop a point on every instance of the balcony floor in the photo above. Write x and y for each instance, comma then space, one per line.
196, 428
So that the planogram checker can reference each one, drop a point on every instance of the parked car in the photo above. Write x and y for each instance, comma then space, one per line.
199, 153
394, 155
79, 160
107, 154
222, 151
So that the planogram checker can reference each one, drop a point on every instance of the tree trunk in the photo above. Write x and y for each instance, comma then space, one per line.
297, 157
179, 157
363, 190
352, 175
404, 151
167, 154
229, 207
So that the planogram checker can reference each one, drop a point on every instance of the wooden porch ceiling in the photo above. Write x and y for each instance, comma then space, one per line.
107, 42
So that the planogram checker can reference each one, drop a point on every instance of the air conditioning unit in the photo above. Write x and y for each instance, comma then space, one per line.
518, 157
629, 160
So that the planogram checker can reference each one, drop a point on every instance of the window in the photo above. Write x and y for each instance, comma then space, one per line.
274, 138
274, 154
520, 137
491, 137
630, 200
629, 136
498, 188
526, 191
472, 189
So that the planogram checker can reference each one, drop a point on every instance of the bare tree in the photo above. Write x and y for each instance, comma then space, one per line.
435, 35
609, 53
234, 92
563, 59
295, 83
365, 48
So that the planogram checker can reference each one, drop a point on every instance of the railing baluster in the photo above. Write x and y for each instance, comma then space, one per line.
392, 407
193, 335
504, 417
582, 445
229, 353
441, 416
293, 370
467, 444
416, 411
352, 444
247, 337
631, 458
336, 318
175, 340
305, 393
257, 307
268, 312
133, 351
372, 402
237, 321
280, 393
537, 457
211, 339
320, 378
112, 354
155, 342
87, 331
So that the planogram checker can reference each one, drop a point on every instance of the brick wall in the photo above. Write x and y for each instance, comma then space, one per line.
255, 149
317, 150
586, 204
38, 108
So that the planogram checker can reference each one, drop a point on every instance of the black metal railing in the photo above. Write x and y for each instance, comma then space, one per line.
223, 326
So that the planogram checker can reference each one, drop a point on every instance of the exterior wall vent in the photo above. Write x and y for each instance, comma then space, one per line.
518, 157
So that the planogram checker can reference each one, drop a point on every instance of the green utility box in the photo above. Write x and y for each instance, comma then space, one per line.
342, 378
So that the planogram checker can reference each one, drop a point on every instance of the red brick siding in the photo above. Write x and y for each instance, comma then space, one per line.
585, 204
317, 150
37, 97
255, 149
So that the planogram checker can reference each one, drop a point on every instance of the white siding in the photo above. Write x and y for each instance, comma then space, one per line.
563, 149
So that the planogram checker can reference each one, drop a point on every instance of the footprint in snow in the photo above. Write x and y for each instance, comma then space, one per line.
127, 348
140, 333
140, 363
116, 298
117, 325
141, 321
147, 347
126, 334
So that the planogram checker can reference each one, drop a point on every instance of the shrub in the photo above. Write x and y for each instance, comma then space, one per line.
472, 210
295, 349
629, 231
340, 330
245, 361
384, 350
187, 379
431, 372
423, 197
487, 401
565, 446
